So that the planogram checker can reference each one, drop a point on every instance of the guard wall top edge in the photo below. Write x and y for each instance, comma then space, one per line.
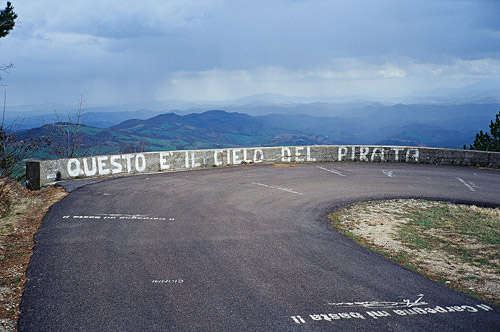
41, 172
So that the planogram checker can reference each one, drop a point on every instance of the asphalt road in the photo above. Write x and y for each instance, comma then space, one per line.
244, 248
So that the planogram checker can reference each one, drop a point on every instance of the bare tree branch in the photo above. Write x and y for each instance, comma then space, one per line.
66, 137
5, 68
13, 150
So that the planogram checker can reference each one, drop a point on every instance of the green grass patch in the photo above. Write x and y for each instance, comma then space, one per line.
443, 241
459, 230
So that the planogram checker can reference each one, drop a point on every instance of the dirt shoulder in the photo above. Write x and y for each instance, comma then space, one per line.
17, 228
456, 245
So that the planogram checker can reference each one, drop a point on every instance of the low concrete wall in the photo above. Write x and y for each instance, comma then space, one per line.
41, 172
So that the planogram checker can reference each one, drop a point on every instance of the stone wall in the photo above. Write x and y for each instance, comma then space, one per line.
42, 172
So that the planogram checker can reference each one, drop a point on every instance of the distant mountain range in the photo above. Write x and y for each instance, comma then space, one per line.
449, 126
105, 116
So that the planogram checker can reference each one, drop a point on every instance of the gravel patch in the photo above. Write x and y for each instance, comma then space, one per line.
439, 252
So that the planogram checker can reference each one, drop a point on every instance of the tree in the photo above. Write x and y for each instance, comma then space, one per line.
487, 142
7, 22
14, 150
65, 138
7, 19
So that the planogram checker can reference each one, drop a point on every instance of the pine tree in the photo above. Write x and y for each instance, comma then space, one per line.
7, 19
487, 142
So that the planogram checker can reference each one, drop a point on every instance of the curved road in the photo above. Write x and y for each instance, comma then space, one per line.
244, 248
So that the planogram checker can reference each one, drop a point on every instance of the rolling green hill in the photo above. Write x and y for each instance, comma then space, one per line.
212, 129
398, 125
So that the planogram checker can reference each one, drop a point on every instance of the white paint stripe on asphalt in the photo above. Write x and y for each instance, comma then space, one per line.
466, 184
387, 172
278, 188
331, 171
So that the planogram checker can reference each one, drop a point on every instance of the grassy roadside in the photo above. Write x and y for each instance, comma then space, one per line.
456, 245
19, 220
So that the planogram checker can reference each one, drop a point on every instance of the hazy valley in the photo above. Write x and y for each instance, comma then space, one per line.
109, 130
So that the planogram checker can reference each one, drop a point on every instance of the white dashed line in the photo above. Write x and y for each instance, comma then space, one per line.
387, 172
331, 171
278, 188
466, 184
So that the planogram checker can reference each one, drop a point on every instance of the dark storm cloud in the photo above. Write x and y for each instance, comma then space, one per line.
115, 51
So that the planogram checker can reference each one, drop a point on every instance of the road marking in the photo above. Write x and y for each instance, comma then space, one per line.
167, 281
298, 320
278, 188
387, 172
466, 184
384, 304
105, 216
331, 171
385, 310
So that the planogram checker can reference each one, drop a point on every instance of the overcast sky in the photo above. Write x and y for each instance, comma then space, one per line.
129, 51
